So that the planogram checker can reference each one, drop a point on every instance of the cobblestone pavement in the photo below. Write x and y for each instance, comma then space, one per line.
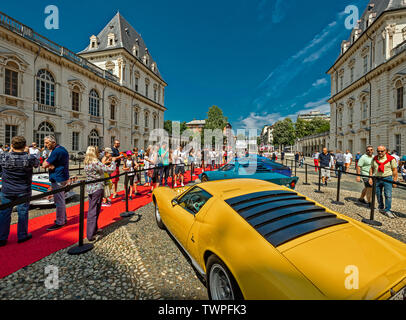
134, 260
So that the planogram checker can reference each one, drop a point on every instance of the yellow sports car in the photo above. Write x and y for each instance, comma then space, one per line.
252, 239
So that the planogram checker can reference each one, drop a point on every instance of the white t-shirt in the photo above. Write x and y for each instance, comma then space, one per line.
146, 163
129, 164
35, 152
396, 157
316, 155
180, 157
347, 157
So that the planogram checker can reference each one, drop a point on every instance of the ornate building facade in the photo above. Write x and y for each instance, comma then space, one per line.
368, 79
111, 90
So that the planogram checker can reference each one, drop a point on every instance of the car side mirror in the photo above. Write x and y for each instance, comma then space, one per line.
174, 202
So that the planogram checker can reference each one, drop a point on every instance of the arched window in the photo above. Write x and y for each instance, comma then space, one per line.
11, 79
94, 138
44, 129
146, 119
399, 95
94, 103
45, 88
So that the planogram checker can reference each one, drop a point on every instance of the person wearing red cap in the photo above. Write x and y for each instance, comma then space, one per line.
131, 166
384, 167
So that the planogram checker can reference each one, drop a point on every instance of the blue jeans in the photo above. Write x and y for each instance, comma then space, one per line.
339, 168
147, 179
386, 185
5, 216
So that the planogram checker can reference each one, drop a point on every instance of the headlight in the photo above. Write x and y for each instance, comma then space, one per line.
401, 295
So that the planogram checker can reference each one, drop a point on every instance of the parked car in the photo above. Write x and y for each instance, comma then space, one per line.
40, 184
251, 239
255, 168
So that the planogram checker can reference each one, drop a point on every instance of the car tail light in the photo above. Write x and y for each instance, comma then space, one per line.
293, 185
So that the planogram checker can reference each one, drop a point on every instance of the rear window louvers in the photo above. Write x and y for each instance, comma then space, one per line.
282, 216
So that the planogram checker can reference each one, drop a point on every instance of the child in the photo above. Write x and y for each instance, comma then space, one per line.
130, 166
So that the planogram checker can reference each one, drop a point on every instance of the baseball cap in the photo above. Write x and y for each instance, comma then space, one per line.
129, 153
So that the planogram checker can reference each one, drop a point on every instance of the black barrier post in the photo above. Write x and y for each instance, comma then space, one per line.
371, 221
295, 168
127, 212
79, 167
306, 182
319, 189
81, 248
338, 191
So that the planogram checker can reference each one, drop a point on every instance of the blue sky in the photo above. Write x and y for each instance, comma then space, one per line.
258, 60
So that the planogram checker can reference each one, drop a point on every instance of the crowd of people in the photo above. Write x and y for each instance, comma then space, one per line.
157, 163
384, 165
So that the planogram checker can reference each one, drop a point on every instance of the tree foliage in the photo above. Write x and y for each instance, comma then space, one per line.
307, 128
284, 133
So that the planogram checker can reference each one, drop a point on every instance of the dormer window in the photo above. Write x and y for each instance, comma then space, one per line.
146, 59
111, 39
136, 50
153, 67
93, 42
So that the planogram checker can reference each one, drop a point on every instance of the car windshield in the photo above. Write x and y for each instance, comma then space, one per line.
228, 167
194, 200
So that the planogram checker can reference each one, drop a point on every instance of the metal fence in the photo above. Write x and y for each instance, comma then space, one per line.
371, 220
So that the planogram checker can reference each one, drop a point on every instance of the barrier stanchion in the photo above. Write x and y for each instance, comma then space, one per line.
371, 221
295, 168
319, 188
306, 182
79, 167
337, 202
81, 248
127, 212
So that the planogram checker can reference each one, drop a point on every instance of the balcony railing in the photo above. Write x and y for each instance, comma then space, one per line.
28, 33
95, 119
46, 108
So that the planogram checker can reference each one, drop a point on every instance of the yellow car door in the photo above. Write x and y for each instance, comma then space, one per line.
185, 210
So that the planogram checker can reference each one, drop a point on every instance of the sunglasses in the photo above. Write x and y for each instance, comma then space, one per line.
381, 151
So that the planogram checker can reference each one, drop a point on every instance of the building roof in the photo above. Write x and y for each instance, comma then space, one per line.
126, 37
378, 7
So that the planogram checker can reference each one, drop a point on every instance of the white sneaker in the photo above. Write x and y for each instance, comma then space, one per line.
182, 185
175, 185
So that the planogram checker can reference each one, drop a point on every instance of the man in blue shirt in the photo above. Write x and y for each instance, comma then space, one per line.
325, 164
58, 165
16, 168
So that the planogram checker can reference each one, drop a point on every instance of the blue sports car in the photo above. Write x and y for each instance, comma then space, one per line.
253, 168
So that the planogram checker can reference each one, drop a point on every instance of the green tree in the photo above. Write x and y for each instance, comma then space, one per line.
284, 133
215, 120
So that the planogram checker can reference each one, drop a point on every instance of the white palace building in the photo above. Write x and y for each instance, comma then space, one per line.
111, 90
368, 80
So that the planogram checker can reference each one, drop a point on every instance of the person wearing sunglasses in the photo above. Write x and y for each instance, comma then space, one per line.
384, 167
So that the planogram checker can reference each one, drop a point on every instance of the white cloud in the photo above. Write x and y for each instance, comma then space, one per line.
315, 104
320, 83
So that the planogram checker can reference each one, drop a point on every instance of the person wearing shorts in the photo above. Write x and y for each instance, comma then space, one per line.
347, 160
363, 168
180, 157
325, 162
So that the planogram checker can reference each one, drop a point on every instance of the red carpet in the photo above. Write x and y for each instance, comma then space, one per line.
15, 256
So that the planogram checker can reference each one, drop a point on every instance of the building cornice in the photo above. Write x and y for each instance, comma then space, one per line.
364, 38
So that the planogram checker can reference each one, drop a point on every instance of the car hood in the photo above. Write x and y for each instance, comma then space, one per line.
332, 260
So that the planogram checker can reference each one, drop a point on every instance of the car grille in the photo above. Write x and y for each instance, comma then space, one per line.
282, 216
